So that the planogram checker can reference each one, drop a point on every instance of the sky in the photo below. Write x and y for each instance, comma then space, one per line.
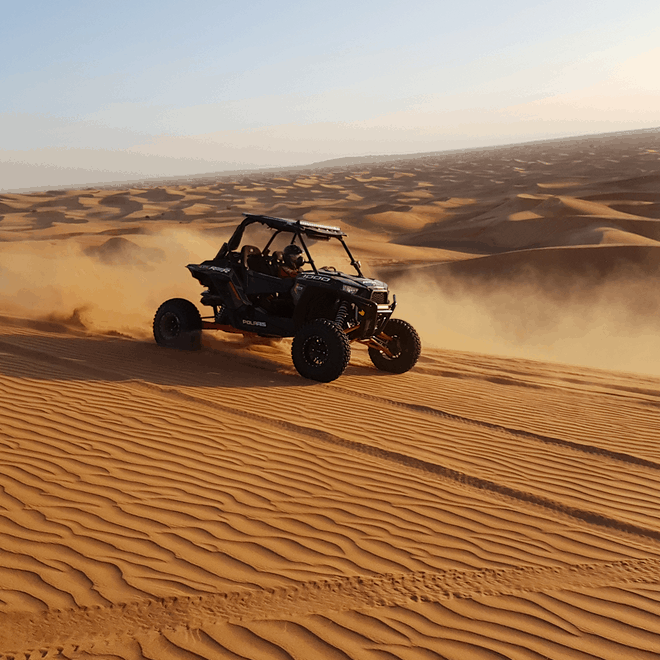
107, 91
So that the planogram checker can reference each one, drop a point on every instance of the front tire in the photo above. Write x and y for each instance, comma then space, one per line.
321, 350
405, 347
177, 324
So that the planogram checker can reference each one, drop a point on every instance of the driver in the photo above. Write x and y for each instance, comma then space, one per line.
292, 261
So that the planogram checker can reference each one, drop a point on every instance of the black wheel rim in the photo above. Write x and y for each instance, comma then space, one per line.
315, 351
169, 325
394, 348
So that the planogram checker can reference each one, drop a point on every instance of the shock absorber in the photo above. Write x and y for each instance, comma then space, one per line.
342, 314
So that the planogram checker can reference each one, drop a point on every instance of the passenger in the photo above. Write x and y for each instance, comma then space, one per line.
292, 261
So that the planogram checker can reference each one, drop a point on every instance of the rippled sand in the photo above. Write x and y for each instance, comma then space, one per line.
487, 504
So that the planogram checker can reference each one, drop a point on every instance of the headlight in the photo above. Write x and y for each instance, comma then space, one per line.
351, 290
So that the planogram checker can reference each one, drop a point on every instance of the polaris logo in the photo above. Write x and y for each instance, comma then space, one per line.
317, 278
261, 324
217, 269
375, 284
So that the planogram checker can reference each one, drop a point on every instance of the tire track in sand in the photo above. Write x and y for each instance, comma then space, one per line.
28, 630
602, 452
504, 492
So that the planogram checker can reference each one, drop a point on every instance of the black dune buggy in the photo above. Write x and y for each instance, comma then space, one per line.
323, 309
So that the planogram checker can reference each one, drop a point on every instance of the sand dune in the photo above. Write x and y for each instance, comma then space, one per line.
165, 504
135, 482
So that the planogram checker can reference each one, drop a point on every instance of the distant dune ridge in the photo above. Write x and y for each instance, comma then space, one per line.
498, 501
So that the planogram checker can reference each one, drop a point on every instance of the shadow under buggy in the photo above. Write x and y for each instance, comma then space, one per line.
257, 291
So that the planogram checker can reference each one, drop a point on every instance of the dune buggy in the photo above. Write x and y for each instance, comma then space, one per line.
322, 308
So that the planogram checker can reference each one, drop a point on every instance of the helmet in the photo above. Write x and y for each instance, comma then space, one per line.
293, 256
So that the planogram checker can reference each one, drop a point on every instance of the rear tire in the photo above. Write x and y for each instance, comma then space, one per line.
321, 350
177, 324
406, 347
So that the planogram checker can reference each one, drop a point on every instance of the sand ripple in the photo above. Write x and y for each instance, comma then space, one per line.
160, 504
185, 516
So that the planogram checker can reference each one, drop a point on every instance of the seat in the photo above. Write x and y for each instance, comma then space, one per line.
278, 260
248, 254
253, 259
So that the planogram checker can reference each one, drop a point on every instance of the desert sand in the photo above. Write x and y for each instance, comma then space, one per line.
500, 500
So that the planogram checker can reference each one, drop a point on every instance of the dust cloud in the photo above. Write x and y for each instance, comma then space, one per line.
614, 324
113, 291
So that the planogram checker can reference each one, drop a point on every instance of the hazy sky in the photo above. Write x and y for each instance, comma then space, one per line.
93, 90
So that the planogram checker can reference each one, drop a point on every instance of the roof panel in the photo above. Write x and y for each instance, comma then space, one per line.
302, 226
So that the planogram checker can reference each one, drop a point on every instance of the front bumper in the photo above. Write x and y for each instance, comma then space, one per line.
372, 318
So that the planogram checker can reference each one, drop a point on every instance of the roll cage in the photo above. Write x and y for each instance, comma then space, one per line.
299, 229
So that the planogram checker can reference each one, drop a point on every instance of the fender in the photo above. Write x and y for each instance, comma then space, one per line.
312, 294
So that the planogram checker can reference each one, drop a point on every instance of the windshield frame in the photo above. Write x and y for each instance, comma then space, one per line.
354, 262
298, 228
